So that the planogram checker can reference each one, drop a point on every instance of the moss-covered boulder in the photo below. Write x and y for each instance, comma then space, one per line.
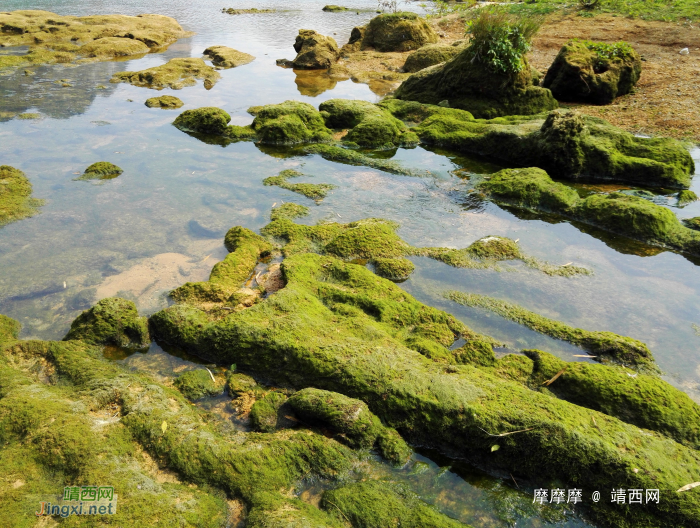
196, 384
686, 197
289, 123
207, 120
175, 74
112, 47
16, 200
164, 101
331, 8
314, 51
616, 212
264, 413
430, 55
225, 57
396, 269
376, 504
239, 383
398, 32
101, 170
369, 125
112, 321
692, 223
472, 86
593, 71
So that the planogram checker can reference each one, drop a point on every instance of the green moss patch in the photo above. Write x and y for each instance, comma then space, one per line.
607, 346
112, 321
164, 101
196, 384
101, 170
250, 11
430, 55
225, 57
175, 74
315, 191
16, 200
686, 197
334, 8
290, 123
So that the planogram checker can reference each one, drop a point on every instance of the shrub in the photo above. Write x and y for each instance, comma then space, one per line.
500, 40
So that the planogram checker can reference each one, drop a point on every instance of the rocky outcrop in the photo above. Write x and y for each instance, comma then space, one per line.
224, 57
593, 72
472, 86
175, 74
314, 51
431, 55
398, 32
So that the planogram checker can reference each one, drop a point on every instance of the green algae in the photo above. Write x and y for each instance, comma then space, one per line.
337, 326
16, 200
225, 57
605, 345
164, 101
112, 321
288, 211
593, 71
101, 170
334, 8
623, 214
403, 31
396, 269
28, 116
175, 74
196, 384
253, 10
315, 191
376, 504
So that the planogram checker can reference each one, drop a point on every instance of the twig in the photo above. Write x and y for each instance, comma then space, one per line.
212, 375
506, 434
341, 511
549, 382
516, 484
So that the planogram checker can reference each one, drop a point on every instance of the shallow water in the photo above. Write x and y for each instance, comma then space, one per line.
162, 221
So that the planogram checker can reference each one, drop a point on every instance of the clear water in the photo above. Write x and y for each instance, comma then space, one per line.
161, 222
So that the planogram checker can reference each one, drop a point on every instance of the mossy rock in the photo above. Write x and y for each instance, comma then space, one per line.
686, 197
398, 32
101, 170
9, 330
472, 86
207, 120
315, 191
16, 200
430, 55
396, 269
164, 101
239, 383
376, 504
196, 384
112, 321
288, 211
618, 213
225, 57
112, 47
692, 223
334, 8
175, 74
567, 145
314, 51
264, 413
581, 73
290, 123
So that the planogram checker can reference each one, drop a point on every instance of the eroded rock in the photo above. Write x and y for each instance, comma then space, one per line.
175, 74
314, 51
397, 32
225, 57
430, 55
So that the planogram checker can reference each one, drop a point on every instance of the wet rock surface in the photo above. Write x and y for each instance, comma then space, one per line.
396, 32
314, 51
175, 74
225, 57
16, 200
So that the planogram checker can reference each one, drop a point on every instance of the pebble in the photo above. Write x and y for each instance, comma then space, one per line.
684, 51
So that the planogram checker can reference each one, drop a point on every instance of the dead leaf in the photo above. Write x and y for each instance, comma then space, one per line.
688, 487
164, 426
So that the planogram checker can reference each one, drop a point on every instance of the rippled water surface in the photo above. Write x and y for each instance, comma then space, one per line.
162, 221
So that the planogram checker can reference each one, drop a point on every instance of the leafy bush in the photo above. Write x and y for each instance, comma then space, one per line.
500, 40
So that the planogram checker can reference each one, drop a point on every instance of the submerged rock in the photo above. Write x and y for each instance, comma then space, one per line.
164, 101
314, 51
101, 170
196, 384
16, 200
175, 74
618, 213
686, 197
593, 71
52, 38
250, 11
334, 8
112, 321
397, 32
472, 86
315, 191
227, 57
430, 55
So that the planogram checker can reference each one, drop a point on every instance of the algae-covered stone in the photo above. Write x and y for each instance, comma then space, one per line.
565, 144
397, 269
334, 8
402, 31
164, 101
686, 197
473, 86
207, 120
289, 211
289, 123
112, 321
616, 212
16, 200
430, 55
9, 330
239, 383
196, 384
692, 223
225, 57
314, 51
52, 38
175, 74
593, 71
376, 504
264, 413
250, 11
112, 47
315, 191
101, 170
